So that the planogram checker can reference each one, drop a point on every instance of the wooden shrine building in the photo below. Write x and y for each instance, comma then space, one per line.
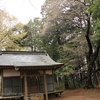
24, 73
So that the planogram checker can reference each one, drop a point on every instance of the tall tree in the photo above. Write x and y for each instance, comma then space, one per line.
33, 29
93, 50
14, 38
6, 22
62, 23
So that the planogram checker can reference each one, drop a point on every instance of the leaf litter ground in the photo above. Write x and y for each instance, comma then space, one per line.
80, 94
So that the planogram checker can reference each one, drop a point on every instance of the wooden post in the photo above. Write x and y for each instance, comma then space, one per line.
45, 86
2, 83
26, 89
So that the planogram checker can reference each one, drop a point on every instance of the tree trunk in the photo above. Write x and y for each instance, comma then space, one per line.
91, 56
89, 80
66, 83
97, 71
58, 34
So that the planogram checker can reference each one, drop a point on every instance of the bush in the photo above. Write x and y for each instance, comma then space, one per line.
59, 86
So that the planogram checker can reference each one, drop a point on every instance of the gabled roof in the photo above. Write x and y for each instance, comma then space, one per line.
25, 59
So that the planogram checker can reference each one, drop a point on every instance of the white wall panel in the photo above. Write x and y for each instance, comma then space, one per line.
10, 72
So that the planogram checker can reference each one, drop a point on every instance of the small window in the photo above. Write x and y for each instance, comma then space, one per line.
12, 86
49, 83
41, 84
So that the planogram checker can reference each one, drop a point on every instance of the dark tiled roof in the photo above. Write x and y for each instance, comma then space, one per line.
26, 59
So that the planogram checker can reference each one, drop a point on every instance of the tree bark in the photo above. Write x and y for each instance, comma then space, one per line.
91, 56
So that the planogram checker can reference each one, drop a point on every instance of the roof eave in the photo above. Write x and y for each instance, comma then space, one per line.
53, 66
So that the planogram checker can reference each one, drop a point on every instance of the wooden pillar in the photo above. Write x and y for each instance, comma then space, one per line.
45, 86
26, 89
2, 83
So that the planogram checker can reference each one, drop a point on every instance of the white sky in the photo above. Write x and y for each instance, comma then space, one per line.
24, 10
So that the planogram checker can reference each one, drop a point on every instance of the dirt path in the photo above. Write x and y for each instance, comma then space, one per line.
80, 94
